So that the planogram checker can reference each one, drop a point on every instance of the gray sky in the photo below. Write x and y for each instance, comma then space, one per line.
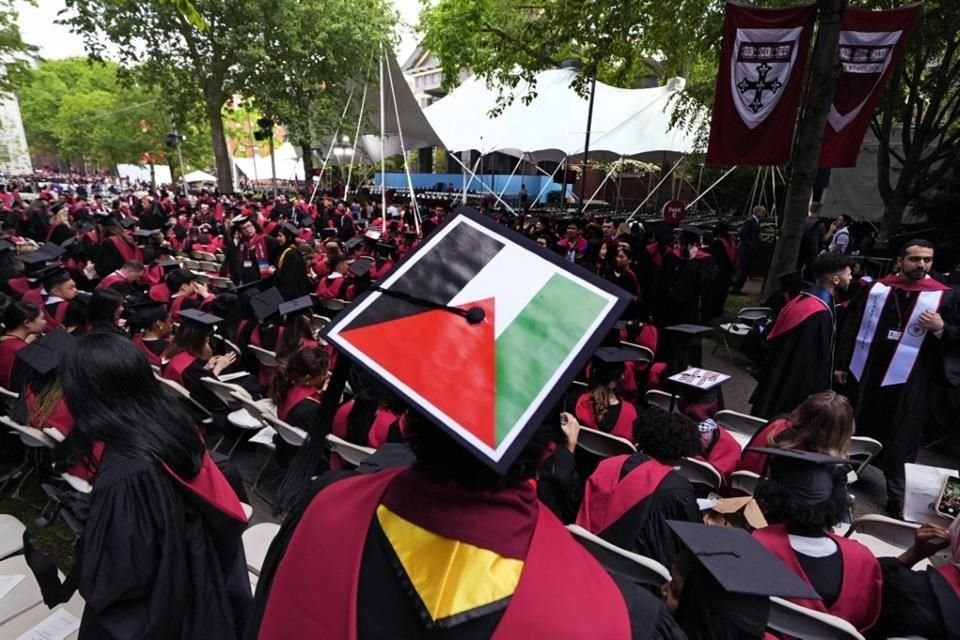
55, 41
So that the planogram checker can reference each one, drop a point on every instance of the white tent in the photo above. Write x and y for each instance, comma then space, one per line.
199, 176
289, 165
633, 123
134, 172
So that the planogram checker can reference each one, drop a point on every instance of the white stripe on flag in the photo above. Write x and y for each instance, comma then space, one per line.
909, 347
868, 326
513, 270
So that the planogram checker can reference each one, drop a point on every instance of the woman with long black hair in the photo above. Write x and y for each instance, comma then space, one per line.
162, 555
103, 313
21, 322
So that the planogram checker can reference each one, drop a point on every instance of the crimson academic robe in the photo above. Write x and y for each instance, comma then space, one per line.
386, 427
54, 309
723, 452
323, 580
800, 360
617, 421
893, 363
162, 557
628, 500
9, 346
113, 252
757, 462
922, 604
153, 349
860, 590
335, 286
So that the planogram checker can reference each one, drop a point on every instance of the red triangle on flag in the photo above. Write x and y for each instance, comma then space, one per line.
451, 364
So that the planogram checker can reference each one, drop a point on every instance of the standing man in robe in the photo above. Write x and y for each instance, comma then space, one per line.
748, 244
901, 335
251, 254
802, 342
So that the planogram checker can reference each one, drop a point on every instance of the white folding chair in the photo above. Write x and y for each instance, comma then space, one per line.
11, 535
218, 282
36, 441
190, 265
179, 391
203, 256
884, 536
660, 399
700, 473
643, 354
210, 266
626, 563
351, 453
265, 357
745, 481
294, 436
743, 322
333, 304
800, 622
7, 394
863, 450
256, 543
318, 322
239, 417
740, 425
602, 444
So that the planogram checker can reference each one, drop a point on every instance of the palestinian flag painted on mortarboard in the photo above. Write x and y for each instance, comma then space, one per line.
489, 383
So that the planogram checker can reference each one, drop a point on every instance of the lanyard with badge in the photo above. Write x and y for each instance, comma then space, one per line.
896, 334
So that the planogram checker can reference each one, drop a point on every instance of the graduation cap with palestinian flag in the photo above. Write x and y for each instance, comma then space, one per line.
481, 330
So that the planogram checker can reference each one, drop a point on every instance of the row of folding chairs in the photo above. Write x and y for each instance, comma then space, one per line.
785, 617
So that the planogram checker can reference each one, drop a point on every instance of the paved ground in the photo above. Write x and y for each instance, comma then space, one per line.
868, 491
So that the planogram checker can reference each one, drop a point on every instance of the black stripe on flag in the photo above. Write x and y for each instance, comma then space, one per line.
437, 276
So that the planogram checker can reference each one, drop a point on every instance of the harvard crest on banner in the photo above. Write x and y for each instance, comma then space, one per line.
759, 83
871, 45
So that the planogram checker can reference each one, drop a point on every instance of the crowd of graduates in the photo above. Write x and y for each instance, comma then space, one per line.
103, 298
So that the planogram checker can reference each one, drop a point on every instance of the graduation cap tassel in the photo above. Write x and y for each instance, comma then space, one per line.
308, 460
474, 315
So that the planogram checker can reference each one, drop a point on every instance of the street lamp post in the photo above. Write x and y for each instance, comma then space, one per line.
175, 139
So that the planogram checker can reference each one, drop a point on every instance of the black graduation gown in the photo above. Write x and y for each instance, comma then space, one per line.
799, 362
107, 259
681, 287
559, 485
643, 528
916, 603
155, 563
386, 608
715, 298
291, 276
895, 414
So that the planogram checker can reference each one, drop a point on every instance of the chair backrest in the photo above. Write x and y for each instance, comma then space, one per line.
256, 543
318, 322
744, 481
220, 283
293, 436
29, 436
191, 265
864, 449
632, 565
700, 472
181, 392
752, 315
738, 422
799, 622
265, 357
223, 390
333, 304
643, 354
894, 532
210, 266
660, 399
6, 393
602, 444
352, 453
253, 407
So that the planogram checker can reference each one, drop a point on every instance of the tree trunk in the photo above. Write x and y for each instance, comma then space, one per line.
221, 154
307, 166
893, 210
806, 152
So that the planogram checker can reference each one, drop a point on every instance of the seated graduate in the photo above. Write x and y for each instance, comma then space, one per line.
718, 447
722, 581
628, 499
264, 333
21, 323
104, 311
190, 358
162, 555
448, 549
126, 279
186, 292
823, 423
922, 604
602, 407
151, 329
296, 331
54, 297
804, 498
337, 284
373, 417
296, 389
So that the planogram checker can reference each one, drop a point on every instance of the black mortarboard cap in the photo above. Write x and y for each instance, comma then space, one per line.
266, 303
692, 230
199, 318
739, 563
86, 227
386, 248
146, 314
307, 221
289, 229
328, 233
297, 305
50, 251
611, 355
352, 244
128, 222
6, 246
809, 475
43, 355
69, 242
361, 267
143, 234
690, 330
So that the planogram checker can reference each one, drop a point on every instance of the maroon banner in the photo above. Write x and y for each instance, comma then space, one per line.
871, 45
759, 82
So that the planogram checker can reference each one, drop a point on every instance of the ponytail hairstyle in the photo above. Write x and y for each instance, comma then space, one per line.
17, 314
604, 382
305, 363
